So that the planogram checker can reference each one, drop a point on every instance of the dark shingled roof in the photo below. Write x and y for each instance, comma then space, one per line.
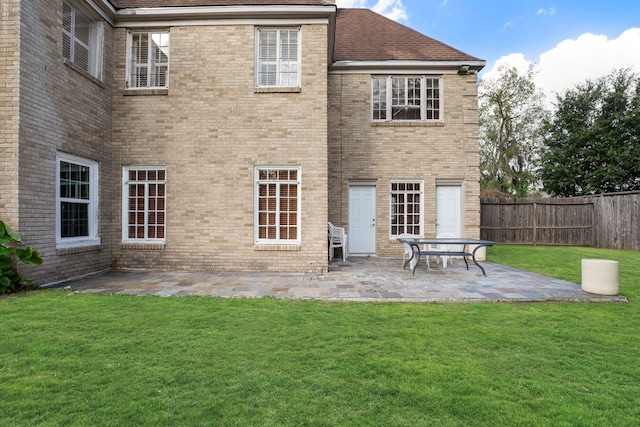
122, 4
363, 35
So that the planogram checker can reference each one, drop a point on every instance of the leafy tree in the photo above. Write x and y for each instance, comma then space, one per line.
512, 115
592, 145
10, 280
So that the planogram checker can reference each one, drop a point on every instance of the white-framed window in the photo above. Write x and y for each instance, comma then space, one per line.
278, 57
82, 39
144, 204
406, 207
148, 60
76, 201
277, 204
395, 98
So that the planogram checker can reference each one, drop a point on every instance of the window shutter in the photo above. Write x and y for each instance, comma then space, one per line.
81, 37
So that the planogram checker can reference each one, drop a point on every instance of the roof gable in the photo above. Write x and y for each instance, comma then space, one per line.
363, 35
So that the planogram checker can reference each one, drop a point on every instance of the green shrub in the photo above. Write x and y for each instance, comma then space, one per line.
10, 280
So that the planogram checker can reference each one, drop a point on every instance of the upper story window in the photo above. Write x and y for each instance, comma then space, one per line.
278, 57
148, 60
415, 98
77, 202
82, 39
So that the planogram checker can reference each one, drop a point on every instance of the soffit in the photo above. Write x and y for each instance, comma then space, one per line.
126, 4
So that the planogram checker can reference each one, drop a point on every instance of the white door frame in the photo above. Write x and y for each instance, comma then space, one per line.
455, 226
362, 225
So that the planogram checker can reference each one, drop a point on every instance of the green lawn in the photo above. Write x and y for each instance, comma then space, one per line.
90, 360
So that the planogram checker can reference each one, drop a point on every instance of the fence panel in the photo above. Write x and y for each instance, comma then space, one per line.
537, 221
564, 223
506, 221
605, 221
619, 221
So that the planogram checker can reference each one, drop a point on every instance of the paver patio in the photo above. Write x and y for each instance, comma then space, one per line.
357, 279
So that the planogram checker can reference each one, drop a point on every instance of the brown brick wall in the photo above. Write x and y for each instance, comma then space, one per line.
65, 110
9, 95
210, 130
362, 150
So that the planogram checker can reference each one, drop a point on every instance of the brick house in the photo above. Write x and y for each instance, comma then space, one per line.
213, 135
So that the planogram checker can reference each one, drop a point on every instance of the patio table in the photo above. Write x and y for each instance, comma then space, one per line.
416, 252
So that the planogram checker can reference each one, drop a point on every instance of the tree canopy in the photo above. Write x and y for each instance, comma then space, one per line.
511, 120
592, 141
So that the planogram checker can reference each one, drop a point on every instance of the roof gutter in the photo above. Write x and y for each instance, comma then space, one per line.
104, 9
141, 16
458, 66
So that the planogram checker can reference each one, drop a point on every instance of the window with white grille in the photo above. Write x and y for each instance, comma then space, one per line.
406, 208
278, 57
148, 60
144, 204
82, 39
76, 202
277, 205
415, 98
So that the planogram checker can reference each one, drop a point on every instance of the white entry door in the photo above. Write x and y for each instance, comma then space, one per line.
362, 220
449, 210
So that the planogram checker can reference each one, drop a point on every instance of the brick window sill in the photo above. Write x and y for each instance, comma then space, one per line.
77, 250
408, 124
84, 73
145, 92
277, 89
284, 248
143, 246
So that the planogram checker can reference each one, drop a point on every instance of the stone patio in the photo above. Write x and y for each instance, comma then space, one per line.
357, 279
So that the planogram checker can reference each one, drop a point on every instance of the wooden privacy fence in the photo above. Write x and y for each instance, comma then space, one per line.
604, 221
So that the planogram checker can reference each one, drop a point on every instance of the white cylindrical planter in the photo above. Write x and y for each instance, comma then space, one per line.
481, 254
600, 276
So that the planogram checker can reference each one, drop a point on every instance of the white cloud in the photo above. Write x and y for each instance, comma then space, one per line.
572, 62
545, 12
351, 3
392, 9
516, 60
507, 25
588, 57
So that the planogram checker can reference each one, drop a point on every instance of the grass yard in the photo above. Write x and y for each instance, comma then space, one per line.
90, 360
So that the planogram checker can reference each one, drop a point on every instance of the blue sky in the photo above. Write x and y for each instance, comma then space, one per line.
490, 29
553, 35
